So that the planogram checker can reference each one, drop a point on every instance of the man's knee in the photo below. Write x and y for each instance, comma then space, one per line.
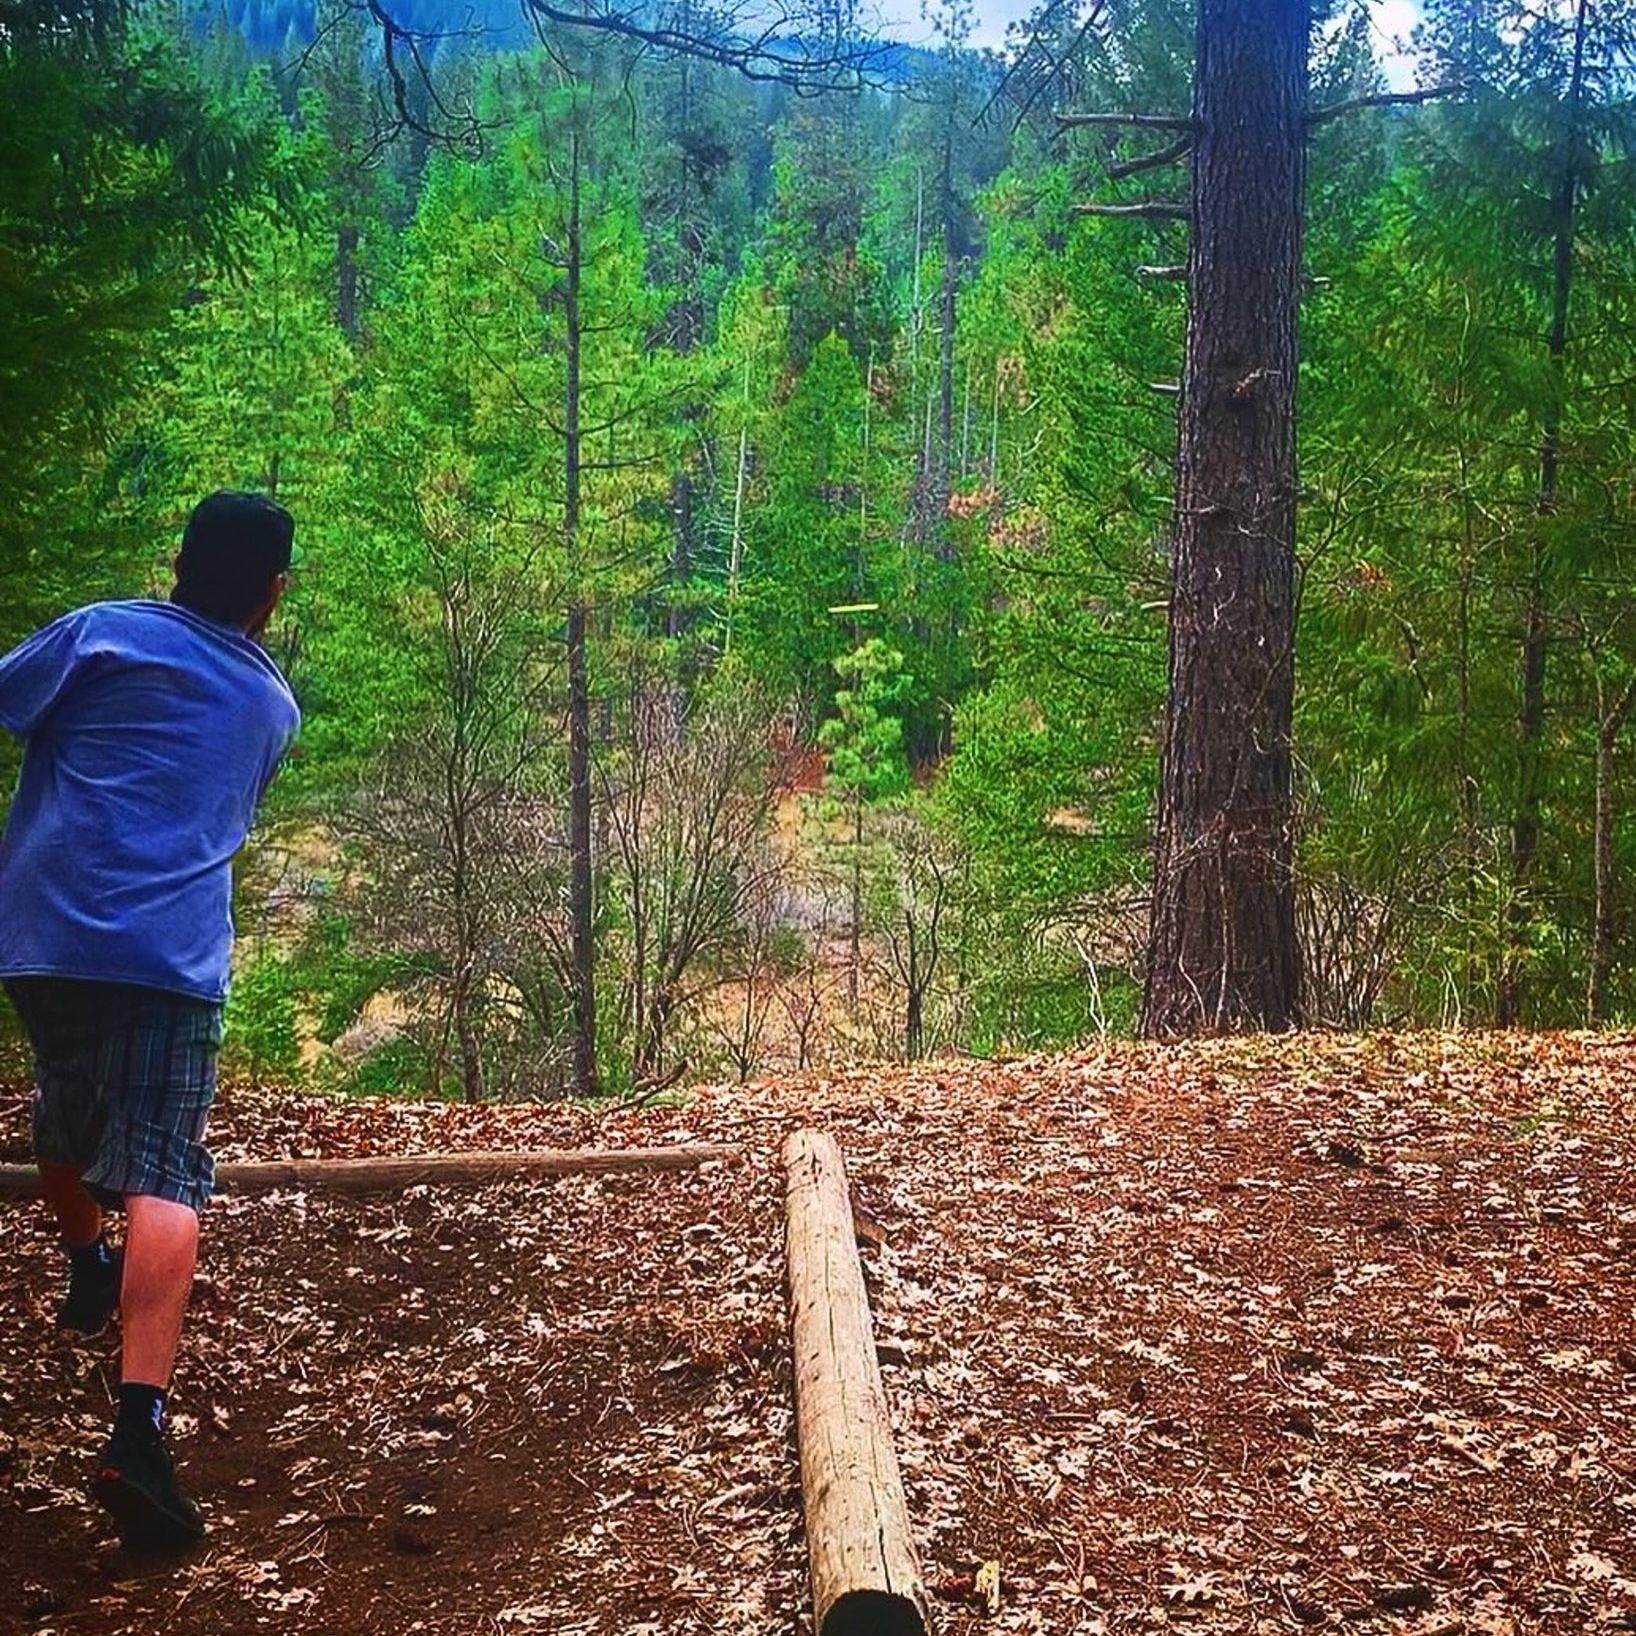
159, 1224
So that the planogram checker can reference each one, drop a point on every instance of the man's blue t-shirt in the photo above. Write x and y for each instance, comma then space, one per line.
150, 733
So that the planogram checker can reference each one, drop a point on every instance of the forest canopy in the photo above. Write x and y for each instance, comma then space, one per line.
737, 508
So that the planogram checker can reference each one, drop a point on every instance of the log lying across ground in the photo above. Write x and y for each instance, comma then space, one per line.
865, 1578
392, 1175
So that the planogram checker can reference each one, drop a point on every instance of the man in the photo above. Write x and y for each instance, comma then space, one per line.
151, 730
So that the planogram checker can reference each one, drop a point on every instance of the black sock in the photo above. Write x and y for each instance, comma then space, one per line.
141, 1408
90, 1258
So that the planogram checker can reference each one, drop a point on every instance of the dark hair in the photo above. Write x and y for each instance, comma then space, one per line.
233, 548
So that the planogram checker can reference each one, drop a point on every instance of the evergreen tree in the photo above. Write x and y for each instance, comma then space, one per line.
123, 178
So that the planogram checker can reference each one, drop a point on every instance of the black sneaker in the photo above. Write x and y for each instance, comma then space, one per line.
93, 1296
136, 1483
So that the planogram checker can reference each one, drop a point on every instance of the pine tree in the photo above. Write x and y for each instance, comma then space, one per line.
866, 760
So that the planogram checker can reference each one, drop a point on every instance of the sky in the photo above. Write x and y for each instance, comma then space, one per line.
1393, 21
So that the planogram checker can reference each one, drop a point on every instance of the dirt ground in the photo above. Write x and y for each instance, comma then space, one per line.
1261, 1336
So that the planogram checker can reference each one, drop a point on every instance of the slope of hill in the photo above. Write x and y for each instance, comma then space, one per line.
1247, 1336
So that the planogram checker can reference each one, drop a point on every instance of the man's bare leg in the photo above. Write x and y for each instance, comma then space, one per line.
79, 1217
161, 1247
136, 1480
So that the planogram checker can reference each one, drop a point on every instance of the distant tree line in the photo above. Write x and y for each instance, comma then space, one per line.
753, 610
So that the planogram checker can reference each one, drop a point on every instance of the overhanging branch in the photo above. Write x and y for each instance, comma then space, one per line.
765, 53
1152, 161
1149, 210
1055, 62
1383, 99
1141, 122
792, 44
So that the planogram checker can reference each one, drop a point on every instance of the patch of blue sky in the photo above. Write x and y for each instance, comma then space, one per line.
1393, 22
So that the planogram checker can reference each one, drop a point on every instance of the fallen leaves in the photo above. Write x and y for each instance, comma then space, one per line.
1246, 1336
987, 1586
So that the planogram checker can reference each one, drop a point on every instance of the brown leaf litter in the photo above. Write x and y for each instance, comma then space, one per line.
1249, 1336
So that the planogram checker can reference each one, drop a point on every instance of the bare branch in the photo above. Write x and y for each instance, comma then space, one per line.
1152, 161
770, 54
1176, 273
1383, 99
1149, 210
1144, 122
1055, 65
788, 48
464, 132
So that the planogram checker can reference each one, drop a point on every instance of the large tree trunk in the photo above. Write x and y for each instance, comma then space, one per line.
1519, 908
914, 1019
1223, 951
466, 999
1525, 822
1469, 791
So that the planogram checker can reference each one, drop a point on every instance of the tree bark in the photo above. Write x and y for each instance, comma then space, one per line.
394, 1174
942, 471
1223, 952
854, 963
735, 559
464, 1005
346, 279
1610, 722
678, 618
914, 1014
1525, 820
465, 997
1469, 791
1525, 823
581, 886
581, 882
861, 1555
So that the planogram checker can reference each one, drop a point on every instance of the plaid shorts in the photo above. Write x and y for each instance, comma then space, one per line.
123, 1082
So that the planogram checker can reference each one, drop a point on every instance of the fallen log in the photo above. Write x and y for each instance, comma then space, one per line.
393, 1174
861, 1556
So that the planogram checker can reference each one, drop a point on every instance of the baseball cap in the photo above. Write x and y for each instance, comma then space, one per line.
237, 539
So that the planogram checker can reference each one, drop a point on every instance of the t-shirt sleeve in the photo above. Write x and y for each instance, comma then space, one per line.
282, 737
35, 675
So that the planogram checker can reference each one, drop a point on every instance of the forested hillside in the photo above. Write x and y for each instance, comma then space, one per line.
737, 509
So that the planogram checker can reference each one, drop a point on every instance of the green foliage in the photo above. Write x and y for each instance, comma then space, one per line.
938, 547
1430, 386
336, 977
399, 1065
263, 1028
123, 178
